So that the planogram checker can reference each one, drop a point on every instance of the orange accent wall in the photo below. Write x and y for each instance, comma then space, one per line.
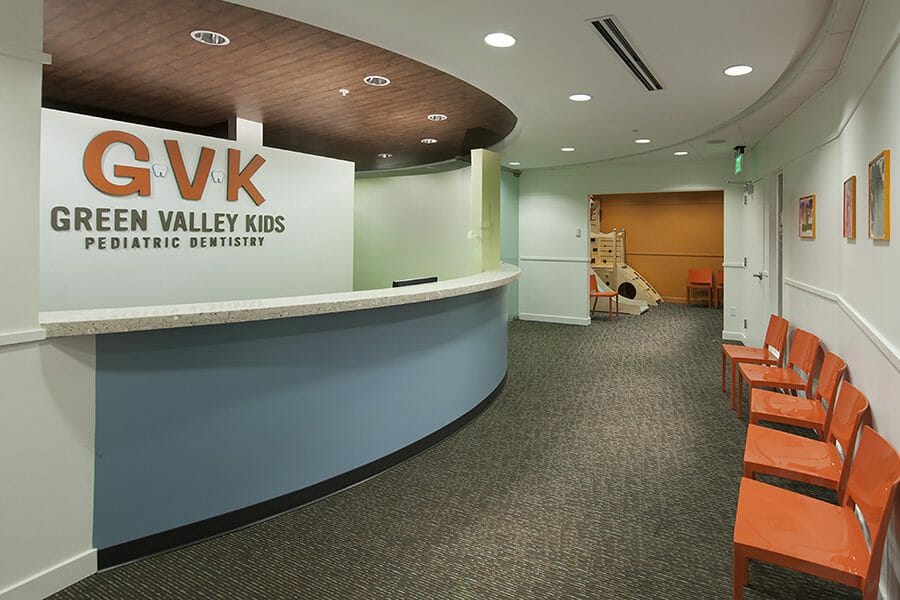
666, 234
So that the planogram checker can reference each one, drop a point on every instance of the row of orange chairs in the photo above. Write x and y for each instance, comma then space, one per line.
792, 530
702, 279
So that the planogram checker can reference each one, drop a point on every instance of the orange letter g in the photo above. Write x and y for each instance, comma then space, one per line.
93, 165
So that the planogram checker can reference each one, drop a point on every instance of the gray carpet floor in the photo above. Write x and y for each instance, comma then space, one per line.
607, 468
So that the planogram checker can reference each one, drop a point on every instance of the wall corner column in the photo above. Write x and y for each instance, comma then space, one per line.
485, 210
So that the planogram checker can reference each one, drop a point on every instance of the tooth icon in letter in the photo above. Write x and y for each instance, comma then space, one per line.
218, 176
159, 170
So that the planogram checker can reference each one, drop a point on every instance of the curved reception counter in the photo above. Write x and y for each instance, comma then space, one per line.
210, 417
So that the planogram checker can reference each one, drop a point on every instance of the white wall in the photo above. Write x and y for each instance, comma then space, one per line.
47, 395
553, 205
509, 234
412, 226
845, 291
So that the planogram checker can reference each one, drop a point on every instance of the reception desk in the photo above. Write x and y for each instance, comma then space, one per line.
213, 416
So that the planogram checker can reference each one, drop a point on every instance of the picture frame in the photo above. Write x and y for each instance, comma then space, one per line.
849, 205
880, 196
807, 227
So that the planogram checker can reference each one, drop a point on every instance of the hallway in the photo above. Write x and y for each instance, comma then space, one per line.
607, 468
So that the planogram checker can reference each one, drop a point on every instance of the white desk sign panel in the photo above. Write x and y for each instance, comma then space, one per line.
138, 216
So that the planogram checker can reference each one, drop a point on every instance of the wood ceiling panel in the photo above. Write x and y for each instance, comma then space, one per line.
135, 61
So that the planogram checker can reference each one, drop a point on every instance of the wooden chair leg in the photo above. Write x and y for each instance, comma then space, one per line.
609, 310
741, 575
723, 370
617, 306
733, 378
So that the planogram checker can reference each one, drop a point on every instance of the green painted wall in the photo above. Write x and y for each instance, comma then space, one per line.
509, 234
412, 226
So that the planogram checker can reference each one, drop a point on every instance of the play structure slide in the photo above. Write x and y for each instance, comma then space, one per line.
629, 306
608, 262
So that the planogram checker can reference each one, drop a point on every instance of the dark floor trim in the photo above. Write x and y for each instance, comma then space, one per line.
185, 535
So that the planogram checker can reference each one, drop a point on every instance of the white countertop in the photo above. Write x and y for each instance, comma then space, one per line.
143, 318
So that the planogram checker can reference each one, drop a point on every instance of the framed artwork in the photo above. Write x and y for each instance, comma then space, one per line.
880, 197
808, 217
850, 208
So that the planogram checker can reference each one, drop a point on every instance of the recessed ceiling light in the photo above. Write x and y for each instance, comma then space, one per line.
642, 141
715, 141
429, 141
499, 40
580, 97
514, 163
737, 70
680, 153
210, 38
384, 155
376, 80
568, 149
436, 117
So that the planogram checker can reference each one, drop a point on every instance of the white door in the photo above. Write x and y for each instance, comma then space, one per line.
756, 275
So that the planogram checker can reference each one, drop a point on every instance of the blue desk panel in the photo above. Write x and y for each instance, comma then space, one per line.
196, 422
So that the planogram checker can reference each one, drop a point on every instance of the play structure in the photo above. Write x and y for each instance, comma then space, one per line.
608, 262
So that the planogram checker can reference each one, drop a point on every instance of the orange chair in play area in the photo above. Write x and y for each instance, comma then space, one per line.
771, 353
700, 279
719, 298
596, 294
775, 407
774, 452
780, 527
802, 357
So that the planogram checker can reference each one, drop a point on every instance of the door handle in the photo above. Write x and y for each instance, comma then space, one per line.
758, 275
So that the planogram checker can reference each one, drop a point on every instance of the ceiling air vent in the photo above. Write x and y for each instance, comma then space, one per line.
613, 33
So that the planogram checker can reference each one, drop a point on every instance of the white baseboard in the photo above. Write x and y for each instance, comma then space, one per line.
54, 579
554, 319
734, 336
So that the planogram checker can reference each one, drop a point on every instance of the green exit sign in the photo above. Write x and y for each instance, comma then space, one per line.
738, 163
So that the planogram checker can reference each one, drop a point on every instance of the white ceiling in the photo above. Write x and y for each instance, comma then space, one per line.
795, 47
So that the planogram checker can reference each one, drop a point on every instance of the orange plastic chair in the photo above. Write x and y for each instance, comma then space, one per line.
766, 405
811, 536
782, 454
804, 348
720, 288
772, 352
700, 279
596, 294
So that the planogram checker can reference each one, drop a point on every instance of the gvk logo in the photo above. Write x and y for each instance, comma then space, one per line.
140, 177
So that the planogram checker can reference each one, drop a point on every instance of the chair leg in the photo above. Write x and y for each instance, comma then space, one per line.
723, 370
741, 575
734, 377
609, 310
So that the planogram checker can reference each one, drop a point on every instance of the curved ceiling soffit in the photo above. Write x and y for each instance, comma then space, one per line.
282, 72
783, 83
